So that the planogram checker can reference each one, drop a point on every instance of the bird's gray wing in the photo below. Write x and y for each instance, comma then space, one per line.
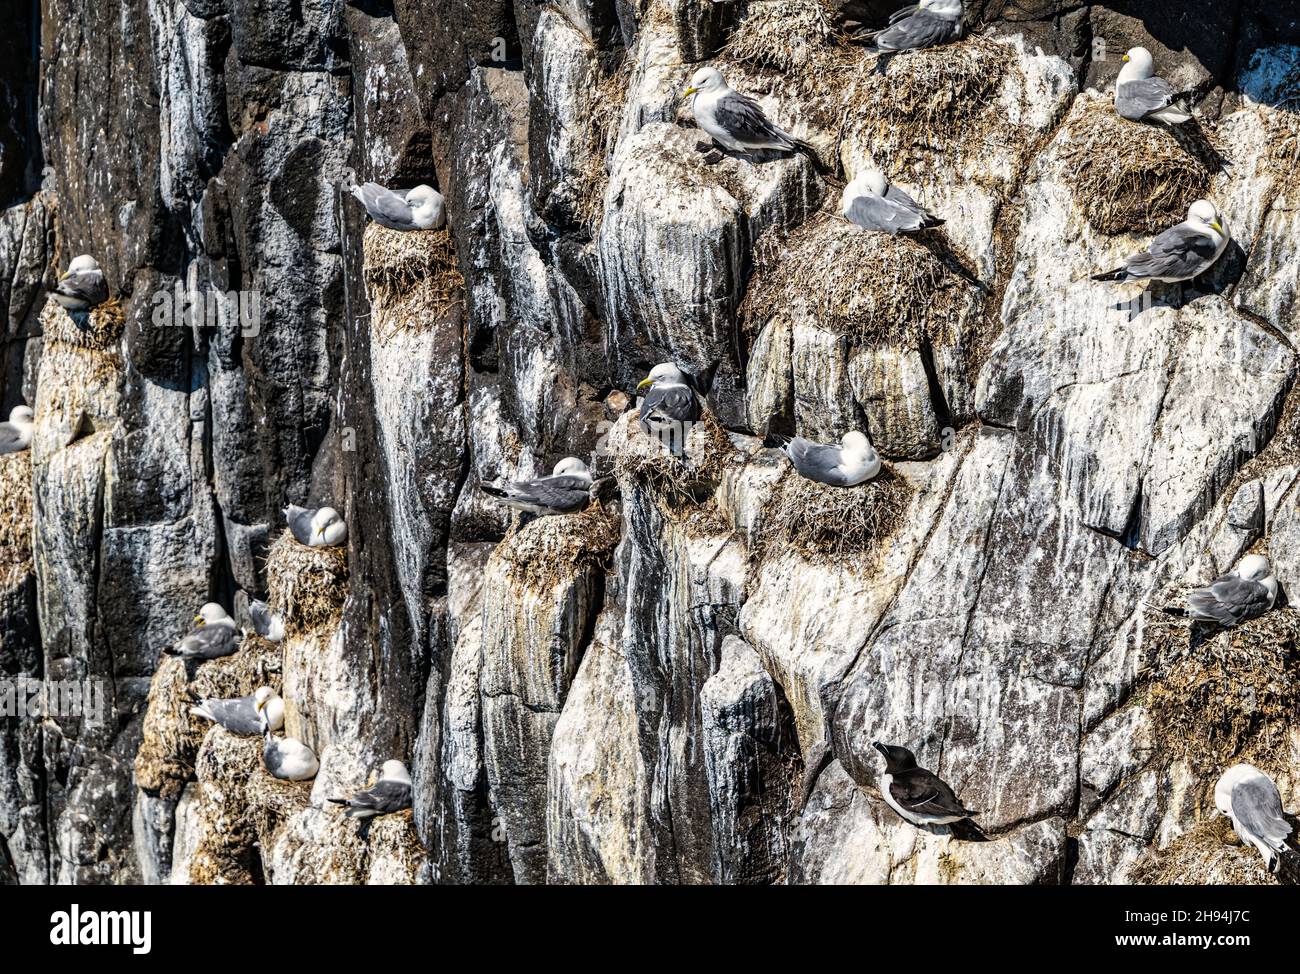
1135, 100
272, 755
299, 521
11, 440
260, 613
917, 30
237, 715
557, 493
676, 403
385, 206
384, 798
1229, 600
746, 122
87, 286
925, 793
878, 213
815, 460
209, 642
1257, 807
1179, 252
898, 15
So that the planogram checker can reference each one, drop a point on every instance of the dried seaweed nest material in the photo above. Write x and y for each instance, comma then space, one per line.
1128, 177
414, 270
817, 520
556, 548
307, 585
676, 481
98, 330
337, 852
1208, 855
1227, 697
15, 518
604, 118
878, 290
172, 735
784, 35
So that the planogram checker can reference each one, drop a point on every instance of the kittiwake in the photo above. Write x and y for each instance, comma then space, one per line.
1142, 96
391, 793
737, 122
287, 757
1250, 798
243, 715
420, 208
566, 490
928, 23
214, 635
316, 527
853, 462
916, 794
1181, 253
873, 204
16, 435
267, 624
82, 285
670, 406
1234, 598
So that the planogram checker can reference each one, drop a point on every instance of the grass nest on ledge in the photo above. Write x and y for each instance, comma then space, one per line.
15, 518
1208, 855
1229, 697
1128, 177
411, 276
817, 520
784, 35
307, 585
557, 548
98, 330
679, 484
879, 291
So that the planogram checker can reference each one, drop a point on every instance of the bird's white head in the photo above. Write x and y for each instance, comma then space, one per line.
705, 80
427, 205
856, 442
21, 415
943, 8
1138, 64
263, 695
663, 372
394, 771
83, 263
871, 182
1207, 214
570, 465
212, 613
1228, 781
1254, 568
328, 526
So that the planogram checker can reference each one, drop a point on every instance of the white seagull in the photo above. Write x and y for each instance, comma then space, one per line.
420, 208
286, 758
1181, 253
267, 624
1250, 798
214, 635
316, 527
243, 715
1236, 597
82, 285
566, 490
873, 204
16, 435
1142, 96
853, 462
391, 793
737, 122
928, 23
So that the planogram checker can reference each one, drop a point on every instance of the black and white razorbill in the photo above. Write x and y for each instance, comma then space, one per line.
916, 794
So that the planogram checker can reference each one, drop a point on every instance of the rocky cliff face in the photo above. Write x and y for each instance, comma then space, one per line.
659, 691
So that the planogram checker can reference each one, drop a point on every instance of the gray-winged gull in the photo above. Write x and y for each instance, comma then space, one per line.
1250, 798
1141, 96
873, 204
916, 794
925, 24
737, 122
1234, 598
214, 635
286, 757
1180, 253
419, 208
391, 793
16, 435
853, 462
243, 715
82, 285
320, 527
267, 624
670, 404
566, 490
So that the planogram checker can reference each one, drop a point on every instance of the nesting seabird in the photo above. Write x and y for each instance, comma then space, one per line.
267, 624
82, 285
214, 635
853, 462
391, 793
916, 794
1181, 253
16, 435
566, 490
286, 758
1250, 798
316, 527
1234, 598
670, 405
1142, 96
737, 122
243, 715
925, 24
873, 204
420, 208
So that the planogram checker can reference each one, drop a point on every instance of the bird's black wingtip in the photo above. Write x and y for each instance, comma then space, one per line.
492, 490
1108, 276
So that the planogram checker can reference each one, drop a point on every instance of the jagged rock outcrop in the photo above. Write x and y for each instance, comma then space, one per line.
665, 687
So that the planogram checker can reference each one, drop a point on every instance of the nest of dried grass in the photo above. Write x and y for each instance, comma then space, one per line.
411, 276
15, 518
1127, 177
556, 548
171, 734
1208, 855
1229, 697
878, 290
783, 35
97, 330
678, 483
307, 585
818, 520
603, 122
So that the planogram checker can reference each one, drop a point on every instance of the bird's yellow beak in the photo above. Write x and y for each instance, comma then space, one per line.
319, 532
1127, 59
1217, 226
63, 276
200, 621
689, 91
644, 384
260, 705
